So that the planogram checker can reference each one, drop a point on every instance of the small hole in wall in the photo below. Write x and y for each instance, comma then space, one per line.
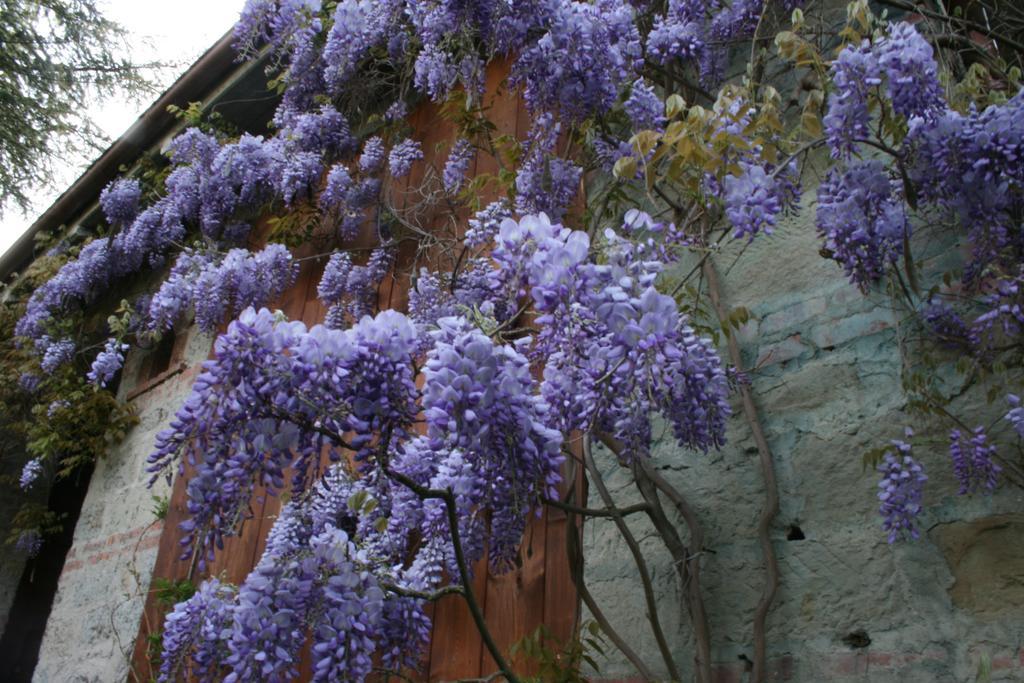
858, 639
794, 533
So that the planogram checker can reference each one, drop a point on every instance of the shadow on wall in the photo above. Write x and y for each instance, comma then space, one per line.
26, 622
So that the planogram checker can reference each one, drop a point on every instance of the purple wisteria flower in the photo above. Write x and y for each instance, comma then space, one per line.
901, 490
30, 473
29, 382
350, 291
193, 641
339, 181
55, 353
854, 73
752, 201
644, 108
577, 66
976, 468
484, 225
545, 182
1016, 414
212, 286
29, 542
108, 363
56, 407
373, 156
948, 328
863, 220
672, 39
457, 166
120, 201
402, 157
906, 61
615, 348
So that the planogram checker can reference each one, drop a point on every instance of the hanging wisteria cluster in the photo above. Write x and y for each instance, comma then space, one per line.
975, 467
212, 284
492, 441
968, 165
33, 468
964, 165
901, 491
573, 60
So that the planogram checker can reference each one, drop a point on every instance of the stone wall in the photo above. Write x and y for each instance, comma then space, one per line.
825, 367
95, 617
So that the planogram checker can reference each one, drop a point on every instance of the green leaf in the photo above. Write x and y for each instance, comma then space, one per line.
356, 500
674, 105
811, 123
625, 168
871, 459
984, 674
786, 42
645, 141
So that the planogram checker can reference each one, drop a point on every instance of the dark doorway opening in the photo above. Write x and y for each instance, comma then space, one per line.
26, 622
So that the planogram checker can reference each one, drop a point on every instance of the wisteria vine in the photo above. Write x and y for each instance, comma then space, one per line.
412, 444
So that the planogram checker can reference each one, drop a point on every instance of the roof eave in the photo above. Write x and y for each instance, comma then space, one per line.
200, 79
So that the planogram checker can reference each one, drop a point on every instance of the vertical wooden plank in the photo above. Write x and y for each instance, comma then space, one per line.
561, 604
515, 599
295, 304
242, 551
502, 110
457, 649
168, 565
455, 643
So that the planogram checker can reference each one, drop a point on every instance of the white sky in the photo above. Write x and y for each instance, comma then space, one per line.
176, 32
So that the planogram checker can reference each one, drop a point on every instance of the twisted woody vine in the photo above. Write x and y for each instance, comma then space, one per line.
554, 323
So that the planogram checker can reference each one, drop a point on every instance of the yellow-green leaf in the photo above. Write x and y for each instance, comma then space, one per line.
811, 124
625, 168
644, 141
674, 105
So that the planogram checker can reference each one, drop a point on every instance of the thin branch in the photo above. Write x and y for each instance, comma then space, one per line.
576, 573
596, 512
660, 191
483, 679
981, 28
429, 596
758, 52
465, 579
471, 602
806, 147
681, 562
686, 564
638, 558
771, 507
